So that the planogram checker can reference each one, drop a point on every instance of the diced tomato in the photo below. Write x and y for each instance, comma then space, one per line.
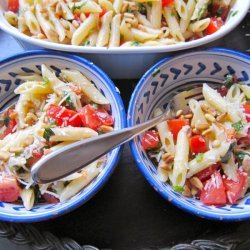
213, 192
207, 172
87, 14
104, 116
246, 108
214, 25
9, 123
175, 125
166, 3
150, 140
223, 91
13, 5
9, 189
198, 144
50, 198
93, 117
235, 189
76, 89
37, 153
220, 10
230, 134
77, 17
102, 13
63, 116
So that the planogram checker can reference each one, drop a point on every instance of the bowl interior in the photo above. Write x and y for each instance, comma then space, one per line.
30, 62
157, 87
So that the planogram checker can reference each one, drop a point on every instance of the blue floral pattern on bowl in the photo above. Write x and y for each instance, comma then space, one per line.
156, 87
30, 62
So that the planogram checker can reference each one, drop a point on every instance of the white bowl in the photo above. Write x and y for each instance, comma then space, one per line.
129, 62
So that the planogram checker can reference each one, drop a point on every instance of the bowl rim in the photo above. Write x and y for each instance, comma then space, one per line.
135, 151
117, 98
128, 50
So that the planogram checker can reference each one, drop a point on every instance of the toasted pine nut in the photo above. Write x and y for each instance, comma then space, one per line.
195, 131
106, 129
194, 191
13, 115
179, 112
82, 17
164, 166
4, 156
165, 156
207, 131
202, 126
170, 159
205, 108
195, 181
29, 140
216, 143
188, 116
16, 149
221, 117
187, 191
210, 118
75, 24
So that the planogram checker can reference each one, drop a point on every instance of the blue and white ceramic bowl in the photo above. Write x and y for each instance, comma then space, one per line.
29, 62
154, 90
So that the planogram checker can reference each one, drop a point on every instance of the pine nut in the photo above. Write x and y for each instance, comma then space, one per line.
202, 126
82, 17
194, 191
165, 156
163, 165
13, 115
29, 140
16, 149
170, 159
179, 112
188, 116
195, 131
207, 131
187, 191
106, 129
75, 24
210, 118
195, 181
205, 108
216, 144
4, 156
221, 117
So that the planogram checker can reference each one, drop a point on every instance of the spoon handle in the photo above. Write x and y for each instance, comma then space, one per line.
75, 156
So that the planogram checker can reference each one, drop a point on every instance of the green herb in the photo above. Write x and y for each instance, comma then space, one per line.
241, 155
156, 72
227, 156
235, 13
142, 9
69, 101
199, 157
46, 80
172, 13
229, 81
78, 6
6, 121
87, 43
48, 132
237, 126
220, 11
178, 189
135, 43
155, 151
16, 168
17, 154
201, 12
130, 11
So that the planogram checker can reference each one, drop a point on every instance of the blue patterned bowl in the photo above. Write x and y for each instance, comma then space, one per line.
29, 62
154, 89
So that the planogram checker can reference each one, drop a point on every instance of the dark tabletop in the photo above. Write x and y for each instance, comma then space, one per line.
128, 214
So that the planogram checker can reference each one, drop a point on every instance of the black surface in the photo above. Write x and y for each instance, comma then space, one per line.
128, 214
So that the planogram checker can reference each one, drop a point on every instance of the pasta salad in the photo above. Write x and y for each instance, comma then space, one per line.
51, 112
204, 153
115, 23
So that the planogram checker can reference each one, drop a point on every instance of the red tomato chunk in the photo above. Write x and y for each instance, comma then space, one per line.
175, 125
236, 189
9, 189
13, 5
207, 172
50, 198
166, 2
94, 117
215, 24
246, 108
63, 116
150, 140
198, 144
213, 192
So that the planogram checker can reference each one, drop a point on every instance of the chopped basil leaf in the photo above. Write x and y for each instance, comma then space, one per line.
135, 43
226, 157
6, 121
156, 72
241, 155
48, 132
235, 13
46, 80
201, 12
238, 126
142, 9
78, 6
69, 101
178, 189
172, 13
87, 43
199, 157
229, 81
